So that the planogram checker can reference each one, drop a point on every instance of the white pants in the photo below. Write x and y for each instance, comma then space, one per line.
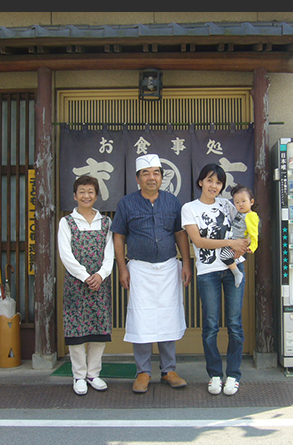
86, 363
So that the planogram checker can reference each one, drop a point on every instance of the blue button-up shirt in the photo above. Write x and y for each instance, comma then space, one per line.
149, 228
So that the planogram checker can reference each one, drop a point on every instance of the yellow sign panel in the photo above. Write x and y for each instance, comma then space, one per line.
31, 221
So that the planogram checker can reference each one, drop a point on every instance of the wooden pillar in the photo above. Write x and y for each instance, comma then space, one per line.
264, 351
45, 343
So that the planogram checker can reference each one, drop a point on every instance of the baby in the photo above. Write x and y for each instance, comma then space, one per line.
244, 225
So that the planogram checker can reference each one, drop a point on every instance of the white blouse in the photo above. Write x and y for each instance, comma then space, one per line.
64, 246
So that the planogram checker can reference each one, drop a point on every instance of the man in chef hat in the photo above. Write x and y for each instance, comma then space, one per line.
149, 222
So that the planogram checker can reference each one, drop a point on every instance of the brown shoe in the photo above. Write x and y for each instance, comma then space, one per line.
173, 379
141, 383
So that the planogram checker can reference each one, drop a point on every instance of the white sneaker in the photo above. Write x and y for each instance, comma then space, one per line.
231, 386
97, 383
79, 386
215, 385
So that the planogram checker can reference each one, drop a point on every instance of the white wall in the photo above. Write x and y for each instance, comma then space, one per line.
10, 19
280, 106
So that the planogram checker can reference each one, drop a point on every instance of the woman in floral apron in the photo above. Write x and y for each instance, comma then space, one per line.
86, 250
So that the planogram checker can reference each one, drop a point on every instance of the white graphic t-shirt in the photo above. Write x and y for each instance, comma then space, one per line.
213, 221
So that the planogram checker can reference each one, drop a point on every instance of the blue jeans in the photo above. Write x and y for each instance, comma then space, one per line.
210, 288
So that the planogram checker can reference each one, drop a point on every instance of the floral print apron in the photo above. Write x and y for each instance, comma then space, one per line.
87, 312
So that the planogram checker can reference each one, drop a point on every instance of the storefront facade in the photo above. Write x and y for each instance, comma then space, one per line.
216, 69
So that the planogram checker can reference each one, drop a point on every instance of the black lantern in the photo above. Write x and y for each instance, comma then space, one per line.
150, 84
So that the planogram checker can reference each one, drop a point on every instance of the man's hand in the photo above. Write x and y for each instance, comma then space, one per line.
183, 245
119, 244
124, 278
186, 275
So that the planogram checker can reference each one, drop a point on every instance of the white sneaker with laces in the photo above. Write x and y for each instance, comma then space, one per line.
215, 385
231, 386
80, 386
97, 383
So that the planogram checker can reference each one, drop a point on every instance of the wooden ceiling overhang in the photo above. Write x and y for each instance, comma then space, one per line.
223, 50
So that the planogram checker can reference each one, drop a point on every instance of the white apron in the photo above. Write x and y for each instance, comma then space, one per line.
155, 310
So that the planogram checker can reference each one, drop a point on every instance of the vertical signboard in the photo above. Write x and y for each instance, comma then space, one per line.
31, 221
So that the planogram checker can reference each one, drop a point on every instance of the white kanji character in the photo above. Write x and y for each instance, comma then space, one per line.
214, 147
142, 146
178, 145
231, 167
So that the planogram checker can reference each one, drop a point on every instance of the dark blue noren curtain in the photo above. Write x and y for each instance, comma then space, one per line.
111, 155
97, 153
232, 150
174, 150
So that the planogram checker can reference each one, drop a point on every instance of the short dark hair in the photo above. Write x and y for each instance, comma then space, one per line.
242, 188
213, 169
161, 170
84, 180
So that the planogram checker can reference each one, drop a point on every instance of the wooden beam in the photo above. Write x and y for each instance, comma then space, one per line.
263, 255
45, 344
268, 47
158, 39
221, 47
38, 49
218, 61
258, 47
117, 48
107, 48
69, 49
79, 49
5, 50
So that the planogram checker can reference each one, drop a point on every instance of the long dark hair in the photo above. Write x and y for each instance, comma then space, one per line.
210, 170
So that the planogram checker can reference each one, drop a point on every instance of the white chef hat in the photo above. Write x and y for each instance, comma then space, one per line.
147, 161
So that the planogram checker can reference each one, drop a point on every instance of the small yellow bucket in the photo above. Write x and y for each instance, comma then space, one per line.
10, 345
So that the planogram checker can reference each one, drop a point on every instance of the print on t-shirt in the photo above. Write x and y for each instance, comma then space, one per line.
216, 228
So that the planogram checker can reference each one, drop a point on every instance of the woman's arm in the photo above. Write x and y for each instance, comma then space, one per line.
108, 260
239, 245
94, 281
68, 259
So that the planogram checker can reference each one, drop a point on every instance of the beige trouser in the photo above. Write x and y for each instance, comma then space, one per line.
86, 363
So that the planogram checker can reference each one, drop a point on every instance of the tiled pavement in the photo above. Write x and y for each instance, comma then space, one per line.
25, 388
